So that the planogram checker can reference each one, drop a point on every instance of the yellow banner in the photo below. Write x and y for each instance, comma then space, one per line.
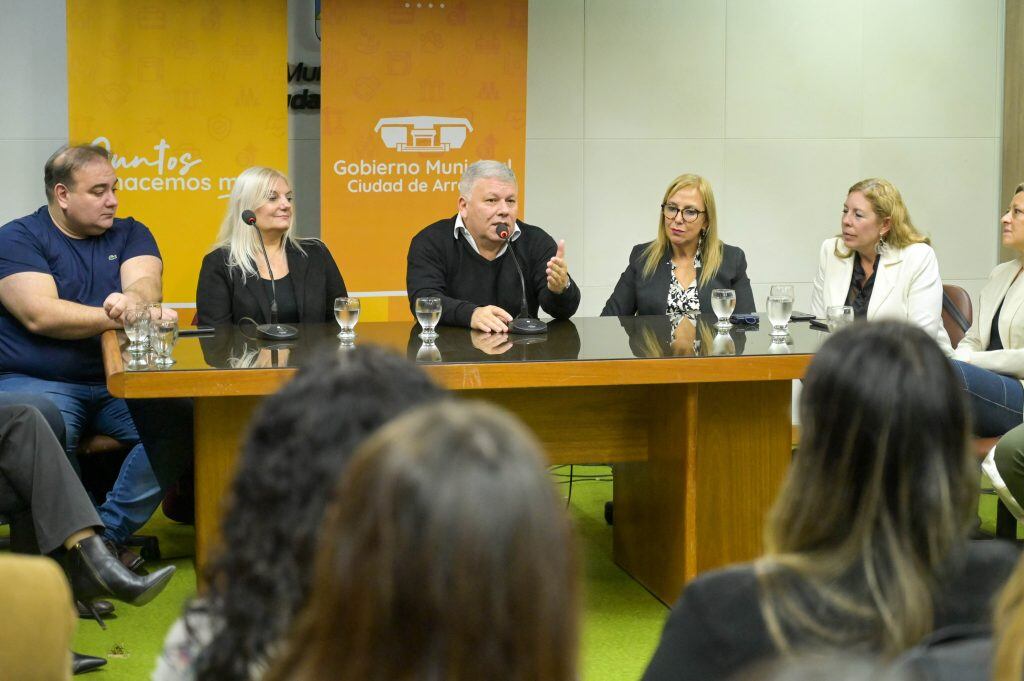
186, 95
412, 93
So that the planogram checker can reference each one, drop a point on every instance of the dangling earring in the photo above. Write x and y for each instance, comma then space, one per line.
880, 248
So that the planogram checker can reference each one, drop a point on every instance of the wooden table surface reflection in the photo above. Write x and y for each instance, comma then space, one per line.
697, 422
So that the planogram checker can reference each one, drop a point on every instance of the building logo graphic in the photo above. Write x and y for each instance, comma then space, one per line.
423, 134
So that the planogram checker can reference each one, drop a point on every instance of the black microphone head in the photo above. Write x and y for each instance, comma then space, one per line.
249, 218
503, 234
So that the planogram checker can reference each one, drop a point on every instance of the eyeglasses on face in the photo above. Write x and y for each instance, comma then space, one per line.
689, 213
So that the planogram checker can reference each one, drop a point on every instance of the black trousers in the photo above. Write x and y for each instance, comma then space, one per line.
37, 479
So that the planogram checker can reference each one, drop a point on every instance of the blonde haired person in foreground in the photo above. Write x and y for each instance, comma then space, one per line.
880, 264
866, 546
446, 555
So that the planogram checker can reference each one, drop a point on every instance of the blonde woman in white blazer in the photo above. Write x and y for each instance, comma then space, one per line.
880, 264
990, 358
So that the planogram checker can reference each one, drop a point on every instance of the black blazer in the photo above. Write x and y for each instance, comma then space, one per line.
636, 295
222, 298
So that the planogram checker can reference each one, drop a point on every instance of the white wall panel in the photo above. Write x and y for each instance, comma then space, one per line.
793, 69
655, 69
553, 195
554, 101
623, 187
932, 69
33, 55
951, 187
784, 198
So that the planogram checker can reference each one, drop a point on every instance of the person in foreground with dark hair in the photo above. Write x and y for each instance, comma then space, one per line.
866, 547
445, 555
299, 441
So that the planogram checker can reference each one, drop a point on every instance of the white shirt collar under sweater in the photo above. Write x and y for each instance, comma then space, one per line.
460, 229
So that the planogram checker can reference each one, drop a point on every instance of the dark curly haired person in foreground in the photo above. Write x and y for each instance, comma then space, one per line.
299, 441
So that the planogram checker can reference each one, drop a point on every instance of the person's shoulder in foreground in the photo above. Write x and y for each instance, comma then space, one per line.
714, 629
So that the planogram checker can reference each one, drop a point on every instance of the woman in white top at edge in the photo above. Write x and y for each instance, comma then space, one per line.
880, 264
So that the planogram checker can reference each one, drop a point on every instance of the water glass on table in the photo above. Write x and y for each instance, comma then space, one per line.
346, 313
780, 306
723, 302
428, 314
838, 316
163, 334
136, 323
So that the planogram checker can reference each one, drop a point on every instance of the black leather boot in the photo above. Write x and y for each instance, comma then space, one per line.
81, 664
95, 572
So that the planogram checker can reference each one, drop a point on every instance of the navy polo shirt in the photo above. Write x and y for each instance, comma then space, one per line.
86, 271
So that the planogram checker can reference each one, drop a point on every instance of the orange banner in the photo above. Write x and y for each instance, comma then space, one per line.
186, 95
413, 92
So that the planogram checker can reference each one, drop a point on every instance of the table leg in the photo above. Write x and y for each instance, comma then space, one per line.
220, 423
717, 455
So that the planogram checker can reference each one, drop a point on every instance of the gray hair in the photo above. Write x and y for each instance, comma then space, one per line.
61, 166
483, 170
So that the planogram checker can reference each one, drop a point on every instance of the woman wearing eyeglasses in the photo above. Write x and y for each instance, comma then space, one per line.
880, 264
675, 273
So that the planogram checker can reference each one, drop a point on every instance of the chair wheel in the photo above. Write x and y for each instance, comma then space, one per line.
609, 512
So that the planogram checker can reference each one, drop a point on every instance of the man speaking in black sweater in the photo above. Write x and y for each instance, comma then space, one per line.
463, 260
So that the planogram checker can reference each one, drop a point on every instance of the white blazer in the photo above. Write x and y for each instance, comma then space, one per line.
907, 286
1011, 324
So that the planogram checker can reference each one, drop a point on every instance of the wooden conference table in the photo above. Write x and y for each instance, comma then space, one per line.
700, 437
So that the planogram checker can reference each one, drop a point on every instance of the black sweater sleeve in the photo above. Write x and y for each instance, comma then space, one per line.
542, 248
425, 276
213, 293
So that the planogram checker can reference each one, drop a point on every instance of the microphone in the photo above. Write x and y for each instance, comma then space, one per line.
273, 330
523, 323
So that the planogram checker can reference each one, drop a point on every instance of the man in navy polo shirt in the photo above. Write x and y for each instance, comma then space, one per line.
68, 272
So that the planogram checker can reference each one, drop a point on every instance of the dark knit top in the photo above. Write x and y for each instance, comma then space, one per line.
443, 266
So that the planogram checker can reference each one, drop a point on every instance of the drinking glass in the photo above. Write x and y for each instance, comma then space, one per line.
136, 324
780, 305
155, 311
163, 334
428, 314
723, 302
346, 312
838, 316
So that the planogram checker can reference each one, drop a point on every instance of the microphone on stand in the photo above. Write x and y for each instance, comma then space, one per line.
273, 330
523, 323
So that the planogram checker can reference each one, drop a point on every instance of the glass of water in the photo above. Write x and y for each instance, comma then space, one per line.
428, 314
723, 302
136, 324
346, 312
163, 334
838, 316
780, 306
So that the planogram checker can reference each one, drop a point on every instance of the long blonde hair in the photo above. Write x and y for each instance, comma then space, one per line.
1009, 627
711, 252
250, 191
878, 498
887, 202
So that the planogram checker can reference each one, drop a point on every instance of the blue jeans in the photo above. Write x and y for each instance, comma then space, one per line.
996, 401
136, 493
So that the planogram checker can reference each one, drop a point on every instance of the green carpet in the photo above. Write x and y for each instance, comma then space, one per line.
621, 621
